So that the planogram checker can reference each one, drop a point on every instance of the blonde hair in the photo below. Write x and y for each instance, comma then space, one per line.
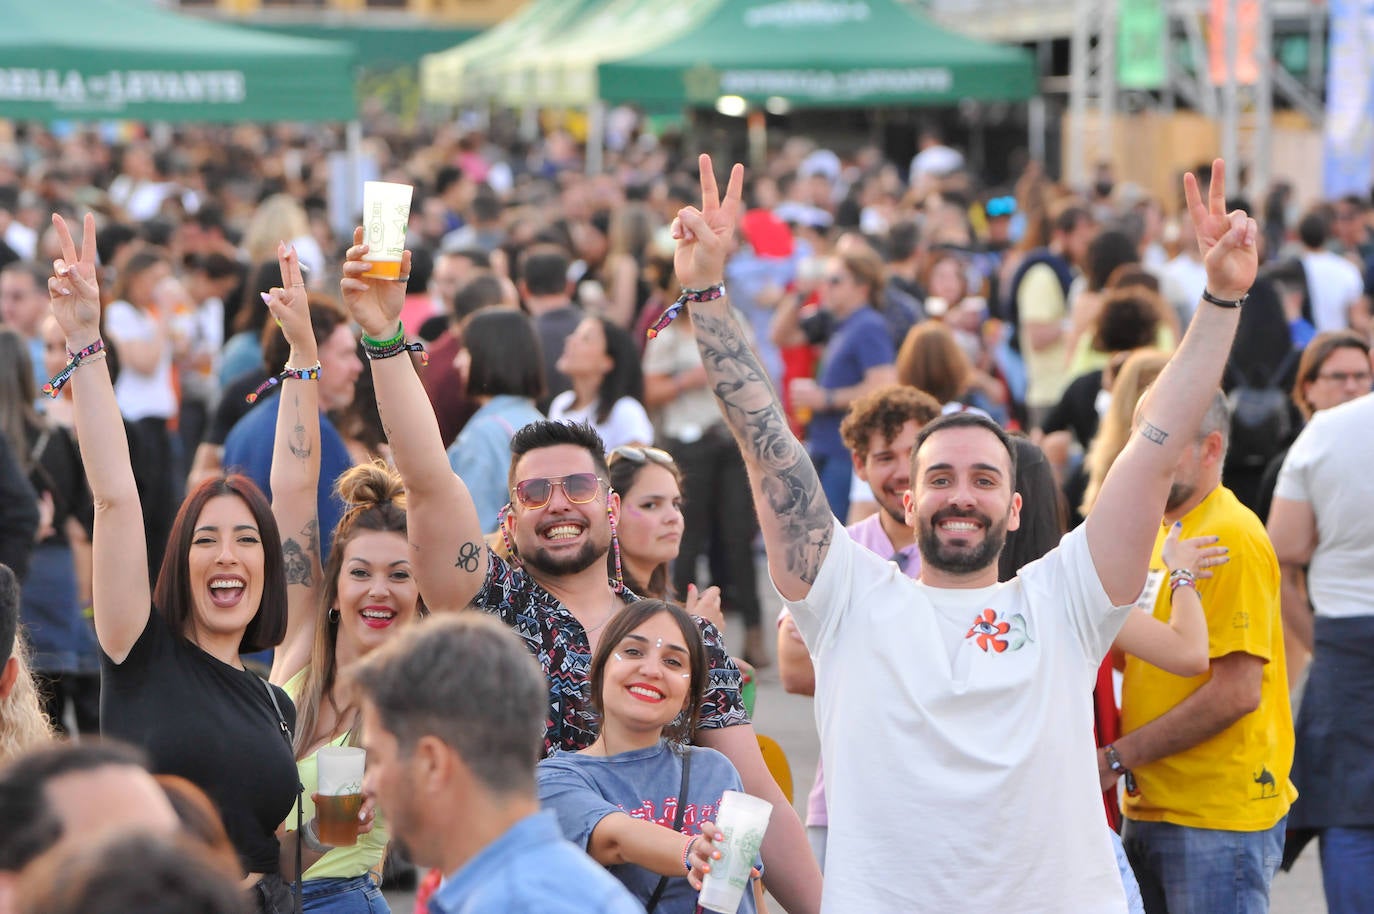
23, 723
1138, 372
276, 218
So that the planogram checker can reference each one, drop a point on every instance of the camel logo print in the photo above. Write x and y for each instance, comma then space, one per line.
1265, 780
991, 634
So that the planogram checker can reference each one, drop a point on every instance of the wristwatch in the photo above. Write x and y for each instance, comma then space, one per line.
1114, 760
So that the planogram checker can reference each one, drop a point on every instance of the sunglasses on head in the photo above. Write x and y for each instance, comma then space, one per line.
638, 455
580, 488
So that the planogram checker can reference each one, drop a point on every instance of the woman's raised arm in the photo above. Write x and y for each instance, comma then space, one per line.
449, 555
120, 558
296, 468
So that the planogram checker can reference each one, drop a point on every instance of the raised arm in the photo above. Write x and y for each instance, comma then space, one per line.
450, 557
122, 598
793, 513
1122, 524
296, 469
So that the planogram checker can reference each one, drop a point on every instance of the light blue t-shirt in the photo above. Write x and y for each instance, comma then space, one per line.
481, 454
532, 870
644, 783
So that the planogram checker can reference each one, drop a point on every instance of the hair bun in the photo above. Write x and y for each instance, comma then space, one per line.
369, 485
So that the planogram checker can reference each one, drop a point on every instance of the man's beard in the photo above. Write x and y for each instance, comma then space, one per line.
1179, 493
961, 559
543, 562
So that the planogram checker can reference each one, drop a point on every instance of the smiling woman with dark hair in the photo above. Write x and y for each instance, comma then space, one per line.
607, 384
172, 674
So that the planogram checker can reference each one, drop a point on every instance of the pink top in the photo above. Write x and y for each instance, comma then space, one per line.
869, 534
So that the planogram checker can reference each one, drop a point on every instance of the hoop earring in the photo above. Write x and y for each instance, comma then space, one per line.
333, 615
619, 583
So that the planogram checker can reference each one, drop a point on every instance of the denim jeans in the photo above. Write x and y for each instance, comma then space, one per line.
1185, 870
359, 895
1348, 869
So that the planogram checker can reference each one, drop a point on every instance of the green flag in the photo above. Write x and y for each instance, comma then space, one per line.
1141, 38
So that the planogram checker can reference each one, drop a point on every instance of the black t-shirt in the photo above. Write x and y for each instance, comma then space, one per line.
212, 724
1077, 408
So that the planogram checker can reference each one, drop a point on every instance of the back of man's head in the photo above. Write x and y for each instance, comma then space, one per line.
1314, 229
31, 820
132, 872
544, 271
482, 291
470, 682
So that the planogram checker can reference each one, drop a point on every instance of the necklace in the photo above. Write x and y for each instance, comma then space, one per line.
602, 624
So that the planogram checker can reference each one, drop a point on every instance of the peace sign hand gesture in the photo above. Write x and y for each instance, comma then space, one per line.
1227, 241
291, 307
73, 288
704, 235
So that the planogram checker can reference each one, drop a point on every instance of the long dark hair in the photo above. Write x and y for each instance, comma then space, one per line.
172, 592
631, 618
626, 377
505, 355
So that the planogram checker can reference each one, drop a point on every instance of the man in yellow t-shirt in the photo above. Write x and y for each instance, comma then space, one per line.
1209, 756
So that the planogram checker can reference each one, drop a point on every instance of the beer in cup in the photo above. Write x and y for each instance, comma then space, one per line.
340, 794
386, 213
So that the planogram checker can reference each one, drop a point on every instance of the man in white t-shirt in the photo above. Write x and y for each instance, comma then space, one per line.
955, 713
1334, 285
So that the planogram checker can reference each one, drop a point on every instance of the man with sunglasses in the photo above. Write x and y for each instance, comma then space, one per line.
955, 712
553, 590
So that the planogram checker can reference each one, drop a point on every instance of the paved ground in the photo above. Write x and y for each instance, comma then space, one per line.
788, 719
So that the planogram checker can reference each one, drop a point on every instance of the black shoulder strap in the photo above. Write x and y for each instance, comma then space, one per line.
677, 827
300, 794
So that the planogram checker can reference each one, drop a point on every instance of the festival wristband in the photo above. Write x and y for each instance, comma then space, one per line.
92, 353
710, 293
300, 374
385, 349
1224, 302
687, 854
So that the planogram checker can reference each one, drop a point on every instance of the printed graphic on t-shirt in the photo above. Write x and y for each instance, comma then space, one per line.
1268, 790
692, 816
992, 634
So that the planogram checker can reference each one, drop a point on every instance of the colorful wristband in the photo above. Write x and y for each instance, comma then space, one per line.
92, 353
299, 374
687, 854
710, 293
385, 349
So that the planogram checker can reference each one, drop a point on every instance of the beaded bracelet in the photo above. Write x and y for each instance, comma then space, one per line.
1181, 577
385, 349
300, 374
710, 293
92, 353
687, 854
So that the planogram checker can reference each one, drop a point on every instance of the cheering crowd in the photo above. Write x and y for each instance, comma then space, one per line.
248, 518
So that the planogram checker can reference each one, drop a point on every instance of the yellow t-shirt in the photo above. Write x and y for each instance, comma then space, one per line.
1040, 298
1086, 358
342, 862
1238, 779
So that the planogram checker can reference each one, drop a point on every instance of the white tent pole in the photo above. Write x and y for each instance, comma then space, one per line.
596, 136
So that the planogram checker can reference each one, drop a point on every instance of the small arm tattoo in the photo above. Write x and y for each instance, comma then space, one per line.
469, 556
297, 563
300, 447
1153, 433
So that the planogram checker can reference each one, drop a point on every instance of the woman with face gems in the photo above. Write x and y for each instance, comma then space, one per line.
172, 676
640, 800
365, 594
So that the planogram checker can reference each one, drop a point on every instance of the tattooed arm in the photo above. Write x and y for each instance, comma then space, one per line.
1122, 525
447, 551
793, 513
296, 472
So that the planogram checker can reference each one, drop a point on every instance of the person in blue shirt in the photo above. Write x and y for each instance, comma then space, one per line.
626, 798
248, 448
453, 721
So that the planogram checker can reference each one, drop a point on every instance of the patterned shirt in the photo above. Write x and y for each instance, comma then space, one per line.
558, 641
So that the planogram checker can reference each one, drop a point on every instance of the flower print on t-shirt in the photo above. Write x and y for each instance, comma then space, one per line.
996, 636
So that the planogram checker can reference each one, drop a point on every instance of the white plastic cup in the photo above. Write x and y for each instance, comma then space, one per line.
743, 820
386, 213
340, 770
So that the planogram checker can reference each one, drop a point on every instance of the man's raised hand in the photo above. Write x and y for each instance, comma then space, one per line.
704, 235
1228, 242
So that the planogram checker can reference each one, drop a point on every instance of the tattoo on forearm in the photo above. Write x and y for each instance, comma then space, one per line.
1153, 433
469, 557
297, 563
311, 533
789, 481
300, 448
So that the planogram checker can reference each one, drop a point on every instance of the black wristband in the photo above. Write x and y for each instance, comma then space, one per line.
1224, 302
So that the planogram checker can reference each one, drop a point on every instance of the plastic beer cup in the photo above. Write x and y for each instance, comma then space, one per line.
742, 819
340, 794
386, 213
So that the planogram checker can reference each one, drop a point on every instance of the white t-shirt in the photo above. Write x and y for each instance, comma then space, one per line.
961, 776
1333, 285
1328, 467
1183, 280
139, 395
628, 423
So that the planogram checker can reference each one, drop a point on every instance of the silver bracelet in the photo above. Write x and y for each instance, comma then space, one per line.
311, 839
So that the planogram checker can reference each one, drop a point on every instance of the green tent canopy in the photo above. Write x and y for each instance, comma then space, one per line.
818, 53
128, 59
